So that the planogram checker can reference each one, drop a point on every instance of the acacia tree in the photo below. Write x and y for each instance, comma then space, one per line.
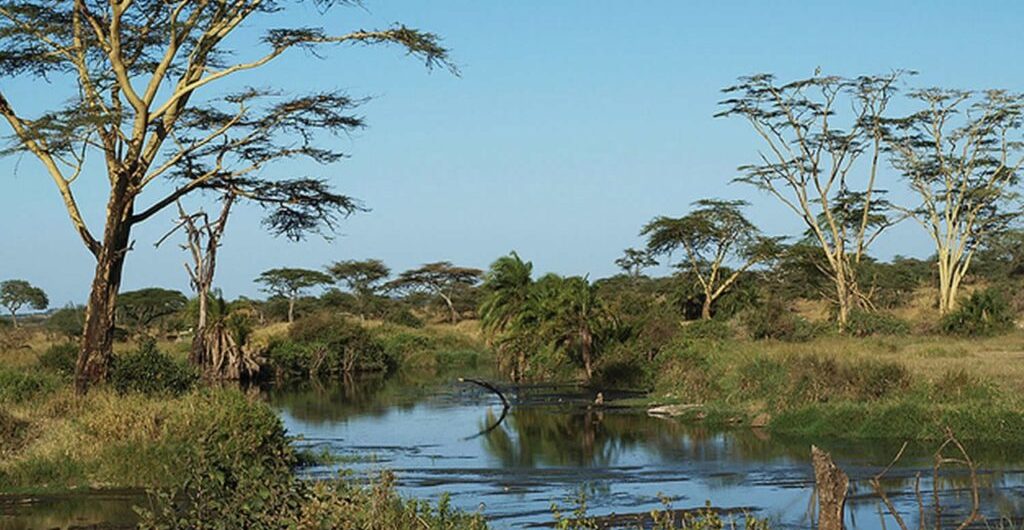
291, 284
824, 139
634, 261
441, 279
714, 234
961, 154
364, 278
143, 98
143, 308
15, 294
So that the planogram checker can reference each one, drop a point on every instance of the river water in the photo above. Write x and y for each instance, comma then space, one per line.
439, 438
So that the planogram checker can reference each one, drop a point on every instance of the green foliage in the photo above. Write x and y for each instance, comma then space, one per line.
863, 323
15, 294
240, 474
67, 321
985, 313
146, 309
20, 387
774, 320
60, 358
148, 371
327, 345
403, 317
714, 329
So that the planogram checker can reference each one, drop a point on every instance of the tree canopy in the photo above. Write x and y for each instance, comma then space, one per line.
16, 294
441, 279
291, 283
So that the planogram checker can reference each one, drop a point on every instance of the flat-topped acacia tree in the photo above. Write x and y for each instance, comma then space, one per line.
441, 279
713, 235
146, 99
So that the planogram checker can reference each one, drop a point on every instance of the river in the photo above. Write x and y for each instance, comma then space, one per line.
432, 431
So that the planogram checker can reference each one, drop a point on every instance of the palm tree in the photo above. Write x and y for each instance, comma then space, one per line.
577, 319
505, 309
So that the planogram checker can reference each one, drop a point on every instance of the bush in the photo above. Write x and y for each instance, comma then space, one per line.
148, 371
985, 313
714, 329
403, 317
873, 323
239, 473
327, 345
775, 321
823, 379
12, 432
18, 387
686, 370
60, 359
68, 321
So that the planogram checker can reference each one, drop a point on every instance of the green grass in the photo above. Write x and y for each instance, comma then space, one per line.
892, 387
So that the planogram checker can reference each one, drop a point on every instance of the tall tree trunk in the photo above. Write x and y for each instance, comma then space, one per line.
705, 310
197, 356
98, 335
587, 345
291, 309
14, 319
451, 308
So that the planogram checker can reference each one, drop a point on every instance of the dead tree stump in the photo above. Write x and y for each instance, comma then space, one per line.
831, 484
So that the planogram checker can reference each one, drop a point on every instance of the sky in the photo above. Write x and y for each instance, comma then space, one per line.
571, 125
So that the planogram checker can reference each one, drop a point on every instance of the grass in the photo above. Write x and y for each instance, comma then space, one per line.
908, 387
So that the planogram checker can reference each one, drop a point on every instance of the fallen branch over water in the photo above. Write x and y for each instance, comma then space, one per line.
493, 389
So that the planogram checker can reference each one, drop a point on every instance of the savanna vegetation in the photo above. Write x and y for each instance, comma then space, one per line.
804, 334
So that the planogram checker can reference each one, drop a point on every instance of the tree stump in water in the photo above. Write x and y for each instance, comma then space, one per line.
832, 485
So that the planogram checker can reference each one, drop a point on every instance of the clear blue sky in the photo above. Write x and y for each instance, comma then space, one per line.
574, 122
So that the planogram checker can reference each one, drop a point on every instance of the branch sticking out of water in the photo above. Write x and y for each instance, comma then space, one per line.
504, 404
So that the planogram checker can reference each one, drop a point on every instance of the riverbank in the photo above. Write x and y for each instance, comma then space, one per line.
901, 387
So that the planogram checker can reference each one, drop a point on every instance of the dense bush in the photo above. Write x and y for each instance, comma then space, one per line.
985, 313
149, 371
326, 345
18, 387
774, 320
402, 317
240, 474
863, 323
67, 322
687, 370
714, 329
60, 358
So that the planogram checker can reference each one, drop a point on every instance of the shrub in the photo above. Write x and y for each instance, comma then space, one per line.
714, 329
985, 313
12, 432
148, 371
68, 321
239, 473
863, 323
18, 387
403, 317
327, 345
60, 358
685, 369
774, 320
957, 385
823, 379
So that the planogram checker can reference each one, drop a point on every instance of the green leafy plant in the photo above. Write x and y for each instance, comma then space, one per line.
149, 371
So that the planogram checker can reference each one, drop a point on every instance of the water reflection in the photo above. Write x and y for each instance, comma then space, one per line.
554, 441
